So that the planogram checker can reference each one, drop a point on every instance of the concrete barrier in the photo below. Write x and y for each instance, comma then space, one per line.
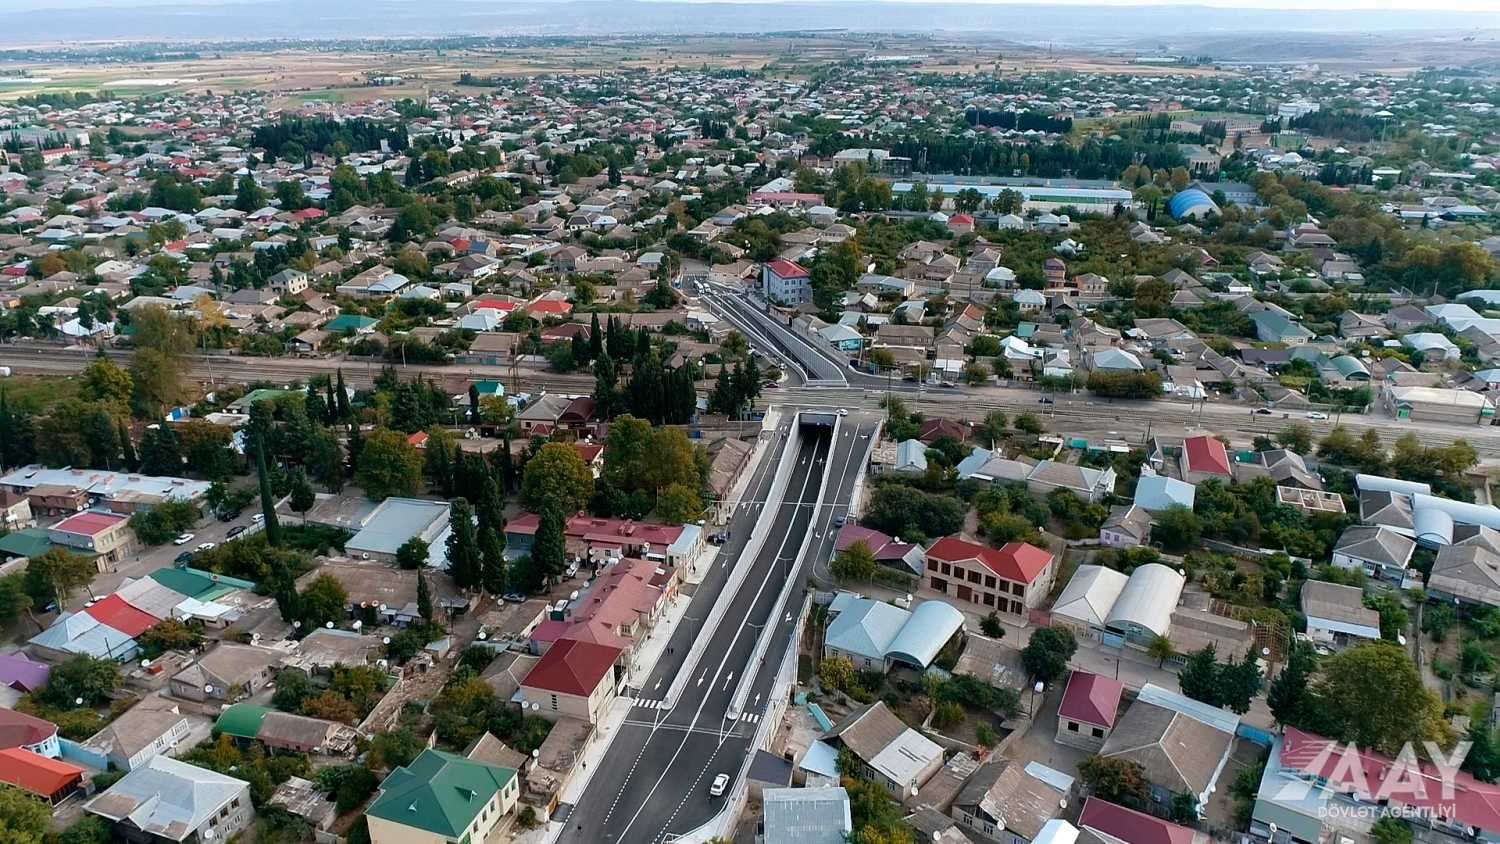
788, 462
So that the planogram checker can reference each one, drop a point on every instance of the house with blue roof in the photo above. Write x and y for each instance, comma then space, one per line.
80, 633
1272, 327
1154, 493
875, 635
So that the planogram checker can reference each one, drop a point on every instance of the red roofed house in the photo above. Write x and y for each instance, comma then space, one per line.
1012, 579
786, 282
676, 545
1115, 824
105, 535
49, 779
549, 307
1088, 709
592, 455
1204, 458
1314, 780
575, 679
960, 224
116, 613
28, 732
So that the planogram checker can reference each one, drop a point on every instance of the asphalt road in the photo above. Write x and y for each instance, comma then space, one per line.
656, 776
816, 364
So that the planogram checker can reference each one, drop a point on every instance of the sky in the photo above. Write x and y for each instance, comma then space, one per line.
1490, 6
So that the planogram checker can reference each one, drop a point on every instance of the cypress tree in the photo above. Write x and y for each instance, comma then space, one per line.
356, 446
342, 395
463, 546
549, 549
596, 339
474, 417
492, 558
424, 597
267, 500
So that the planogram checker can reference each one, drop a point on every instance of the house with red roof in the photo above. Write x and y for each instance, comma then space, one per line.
574, 679
28, 732
786, 282
542, 308
116, 613
1111, 823
961, 224
1013, 579
591, 537
1090, 704
106, 536
1311, 782
1205, 457
50, 779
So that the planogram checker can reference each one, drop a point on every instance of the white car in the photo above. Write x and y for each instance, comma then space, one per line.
183, 539
258, 518
1314, 414
206, 546
843, 411
716, 789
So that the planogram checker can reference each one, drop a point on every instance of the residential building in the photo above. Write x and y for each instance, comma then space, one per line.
890, 753
1087, 712
1113, 824
166, 800
805, 815
1435, 404
442, 798
1126, 527
874, 635
52, 780
152, 727
1336, 614
1009, 801
786, 282
1012, 579
1087, 483
228, 673
1181, 744
574, 679
106, 536
28, 732
1205, 457
1379, 551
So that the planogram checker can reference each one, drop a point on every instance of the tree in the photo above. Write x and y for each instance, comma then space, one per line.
1161, 649
856, 562
549, 548
1391, 830
557, 479
1297, 437
161, 340
990, 626
1115, 779
169, 634
161, 451
23, 818
388, 465
323, 601
424, 598
267, 500
1027, 423
1183, 809
104, 381
679, 504
56, 575
249, 196
1199, 677
1372, 695
837, 672
1177, 528
302, 497
1046, 655
413, 553
293, 686
492, 557
84, 677
465, 564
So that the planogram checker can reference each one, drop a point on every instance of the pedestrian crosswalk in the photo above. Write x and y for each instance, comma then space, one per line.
652, 704
749, 717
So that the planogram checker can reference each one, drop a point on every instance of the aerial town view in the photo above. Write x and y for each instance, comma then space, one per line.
806, 422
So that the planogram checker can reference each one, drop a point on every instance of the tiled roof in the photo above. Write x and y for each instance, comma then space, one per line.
36, 773
573, 667
439, 792
1206, 454
1016, 561
1091, 699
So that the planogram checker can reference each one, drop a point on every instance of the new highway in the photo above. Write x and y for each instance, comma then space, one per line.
654, 782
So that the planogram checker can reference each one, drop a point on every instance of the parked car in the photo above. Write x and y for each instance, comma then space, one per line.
843, 412
183, 539
514, 597
258, 518
184, 558
207, 546
234, 531
716, 789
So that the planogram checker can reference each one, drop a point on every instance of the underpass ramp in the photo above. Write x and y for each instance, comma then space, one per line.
816, 419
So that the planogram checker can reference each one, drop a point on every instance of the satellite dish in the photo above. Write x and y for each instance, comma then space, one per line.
208, 689
358, 624
386, 640
145, 663
483, 635
573, 596
328, 625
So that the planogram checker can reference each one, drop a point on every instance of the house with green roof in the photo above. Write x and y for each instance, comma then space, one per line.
351, 323
242, 720
27, 542
196, 583
442, 798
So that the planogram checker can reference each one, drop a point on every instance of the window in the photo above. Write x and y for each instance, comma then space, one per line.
1017, 607
554, 703
973, 577
945, 568
1098, 733
989, 600
989, 581
1017, 589
1072, 726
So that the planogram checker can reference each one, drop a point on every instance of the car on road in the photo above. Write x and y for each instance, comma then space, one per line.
207, 546
184, 557
1044, 400
1315, 414
948, 385
234, 531
716, 789
843, 412
1264, 411
258, 518
183, 539
840, 519
514, 597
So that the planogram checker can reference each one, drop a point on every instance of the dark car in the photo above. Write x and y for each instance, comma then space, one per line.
719, 538
234, 531
184, 557
1044, 400
1264, 411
